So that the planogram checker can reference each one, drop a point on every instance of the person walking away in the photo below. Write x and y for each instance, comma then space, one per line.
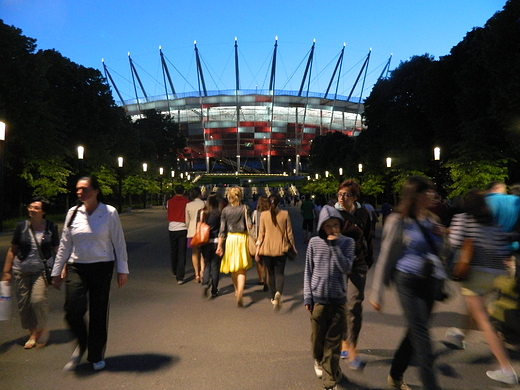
358, 226
211, 213
307, 211
32, 239
491, 249
328, 260
262, 205
192, 210
91, 244
275, 237
178, 233
386, 210
411, 238
234, 222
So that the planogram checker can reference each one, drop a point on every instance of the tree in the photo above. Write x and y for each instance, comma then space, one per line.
331, 151
466, 176
48, 177
160, 138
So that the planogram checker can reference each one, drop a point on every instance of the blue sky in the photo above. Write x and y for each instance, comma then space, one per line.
87, 31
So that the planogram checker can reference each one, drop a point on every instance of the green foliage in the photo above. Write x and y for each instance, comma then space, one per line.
400, 177
466, 176
325, 186
47, 177
107, 179
373, 185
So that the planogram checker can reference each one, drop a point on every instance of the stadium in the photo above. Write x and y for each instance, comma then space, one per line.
251, 131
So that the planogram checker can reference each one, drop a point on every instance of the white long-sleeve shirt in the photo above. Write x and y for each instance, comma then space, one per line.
92, 239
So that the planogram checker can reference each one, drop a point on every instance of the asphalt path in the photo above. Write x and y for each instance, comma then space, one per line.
166, 336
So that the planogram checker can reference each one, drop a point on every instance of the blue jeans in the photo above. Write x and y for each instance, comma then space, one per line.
416, 295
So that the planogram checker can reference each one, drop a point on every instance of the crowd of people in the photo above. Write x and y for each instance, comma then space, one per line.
420, 237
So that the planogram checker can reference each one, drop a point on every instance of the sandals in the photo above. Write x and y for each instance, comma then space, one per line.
31, 343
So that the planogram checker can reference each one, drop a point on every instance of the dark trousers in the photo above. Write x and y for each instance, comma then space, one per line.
88, 285
328, 325
178, 243
356, 282
416, 295
276, 268
211, 266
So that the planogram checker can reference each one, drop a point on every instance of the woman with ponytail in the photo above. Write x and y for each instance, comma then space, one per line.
275, 237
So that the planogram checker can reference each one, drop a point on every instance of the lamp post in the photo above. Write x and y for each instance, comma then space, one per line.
161, 172
81, 152
436, 162
388, 165
120, 179
2, 140
145, 169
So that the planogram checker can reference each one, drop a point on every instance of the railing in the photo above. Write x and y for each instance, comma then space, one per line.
233, 92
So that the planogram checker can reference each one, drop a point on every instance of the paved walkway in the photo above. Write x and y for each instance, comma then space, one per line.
165, 336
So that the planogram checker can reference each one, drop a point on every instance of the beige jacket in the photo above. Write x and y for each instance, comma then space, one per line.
275, 240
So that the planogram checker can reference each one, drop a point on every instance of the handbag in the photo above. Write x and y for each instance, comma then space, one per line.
47, 270
201, 236
251, 235
461, 268
442, 290
5, 301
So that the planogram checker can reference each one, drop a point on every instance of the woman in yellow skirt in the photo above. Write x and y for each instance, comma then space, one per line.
236, 259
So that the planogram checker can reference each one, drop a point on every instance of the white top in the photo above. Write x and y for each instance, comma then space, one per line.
92, 239
192, 209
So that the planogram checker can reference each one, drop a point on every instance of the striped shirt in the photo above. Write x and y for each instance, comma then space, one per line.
490, 244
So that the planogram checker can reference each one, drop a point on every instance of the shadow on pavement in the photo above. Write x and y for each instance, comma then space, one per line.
139, 363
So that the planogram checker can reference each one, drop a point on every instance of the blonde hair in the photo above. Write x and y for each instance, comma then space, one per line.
234, 196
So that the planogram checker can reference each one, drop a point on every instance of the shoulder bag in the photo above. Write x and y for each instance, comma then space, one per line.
251, 235
461, 268
442, 292
201, 236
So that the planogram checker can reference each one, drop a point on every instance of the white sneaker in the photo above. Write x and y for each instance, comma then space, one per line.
455, 337
317, 369
277, 301
508, 377
75, 359
99, 365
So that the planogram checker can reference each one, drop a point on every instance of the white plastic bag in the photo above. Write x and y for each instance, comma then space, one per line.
5, 301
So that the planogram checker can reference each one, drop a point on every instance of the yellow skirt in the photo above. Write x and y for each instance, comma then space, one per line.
236, 254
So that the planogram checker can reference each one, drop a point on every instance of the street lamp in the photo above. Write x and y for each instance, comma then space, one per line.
81, 152
436, 153
360, 168
389, 162
161, 171
436, 161
145, 169
120, 195
2, 140
326, 174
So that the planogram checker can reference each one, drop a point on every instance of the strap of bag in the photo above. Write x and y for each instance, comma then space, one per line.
428, 239
201, 219
40, 252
